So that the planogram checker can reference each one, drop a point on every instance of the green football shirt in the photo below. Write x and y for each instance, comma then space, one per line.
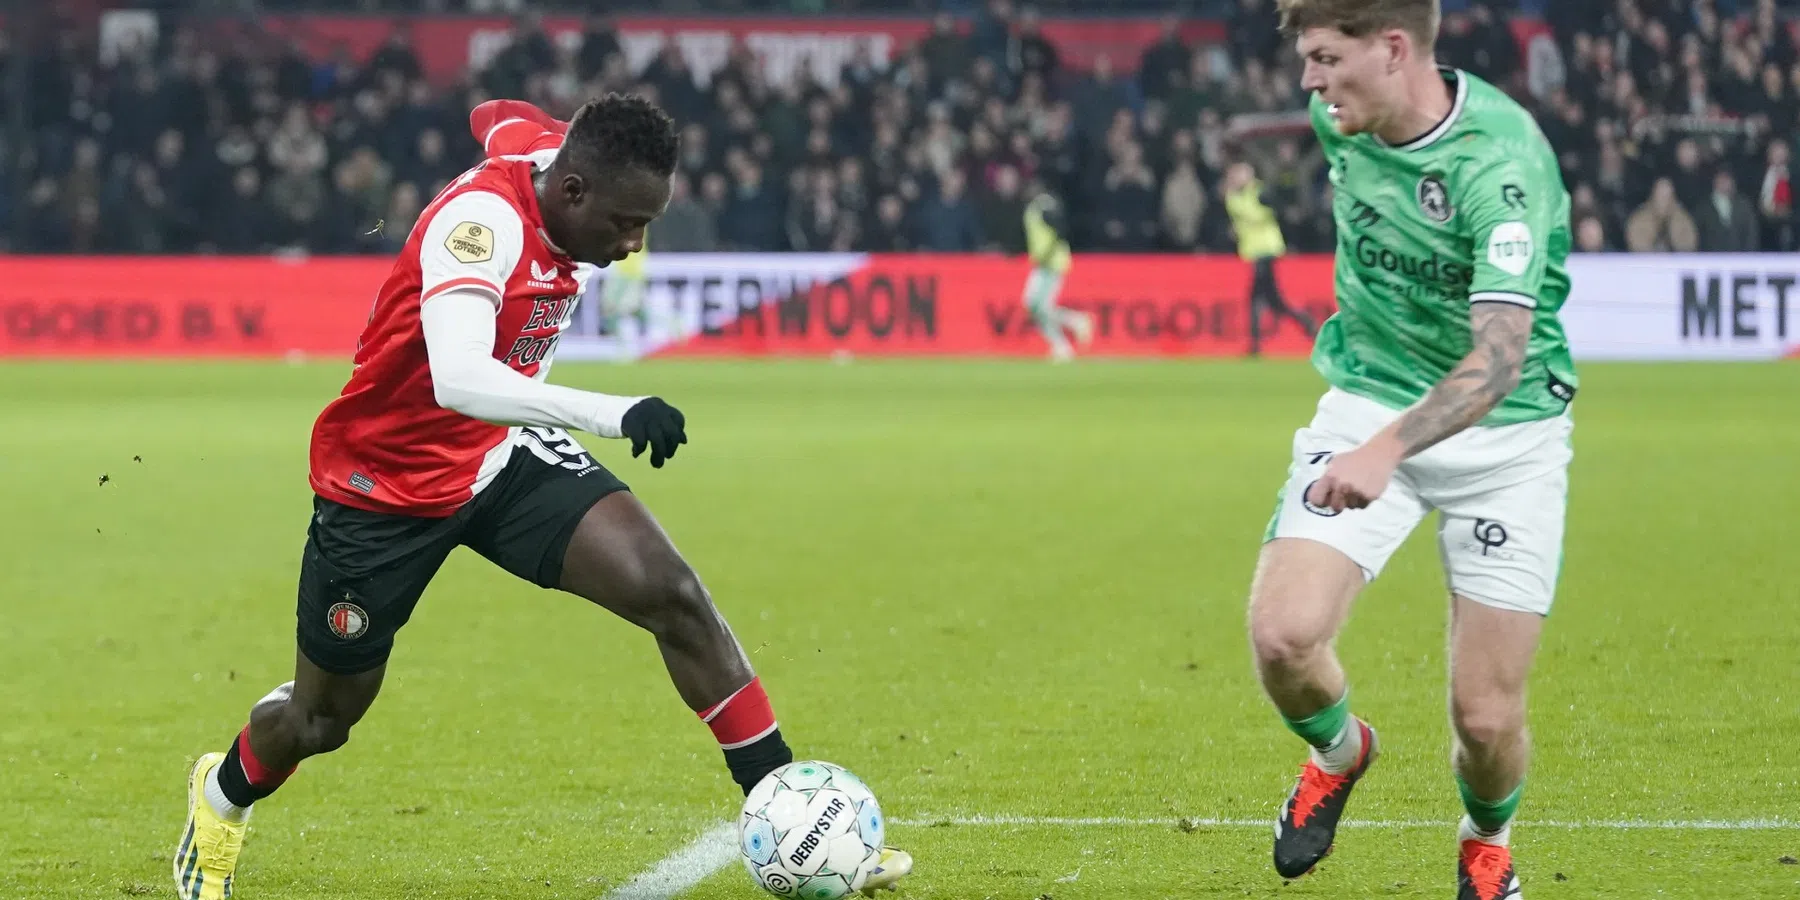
1474, 211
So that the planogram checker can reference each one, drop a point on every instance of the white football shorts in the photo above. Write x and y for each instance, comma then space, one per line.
1501, 493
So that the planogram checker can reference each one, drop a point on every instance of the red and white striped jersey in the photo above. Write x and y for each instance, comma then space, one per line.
385, 445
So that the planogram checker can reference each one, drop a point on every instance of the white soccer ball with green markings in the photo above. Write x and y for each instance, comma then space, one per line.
811, 830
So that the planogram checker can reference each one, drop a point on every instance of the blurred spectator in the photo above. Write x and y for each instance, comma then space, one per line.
1476, 40
1002, 212
1726, 221
1691, 182
1590, 236
1661, 225
946, 221
402, 213
816, 223
600, 42
992, 30
1183, 206
396, 54
223, 139
752, 219
1101, 95
1776, 199
1255, 31
241, 221
890, 232
1164, 68
1028, 52
363, 184
1128, 205
297, 194
686, 226
947, 53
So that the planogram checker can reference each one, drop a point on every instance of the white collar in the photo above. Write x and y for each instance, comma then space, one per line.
1437, 133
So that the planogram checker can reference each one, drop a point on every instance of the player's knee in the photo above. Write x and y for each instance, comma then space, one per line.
314, 731
324, 734
1489, 721
680, 611
1282, 642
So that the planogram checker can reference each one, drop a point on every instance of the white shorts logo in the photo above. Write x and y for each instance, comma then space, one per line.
1491, 535
1510, 248
1315, 509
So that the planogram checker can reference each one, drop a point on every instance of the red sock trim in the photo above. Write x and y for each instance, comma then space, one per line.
741, 719
260, 776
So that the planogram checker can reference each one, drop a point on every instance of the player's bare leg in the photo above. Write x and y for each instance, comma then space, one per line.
621, 559
308, 716
1041, 289
1491, 651
1299, 600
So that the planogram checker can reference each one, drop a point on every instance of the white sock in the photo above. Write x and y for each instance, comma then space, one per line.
1341, 756
1468, 832
215, 797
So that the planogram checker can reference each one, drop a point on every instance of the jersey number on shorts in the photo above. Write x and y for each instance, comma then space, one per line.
557, 448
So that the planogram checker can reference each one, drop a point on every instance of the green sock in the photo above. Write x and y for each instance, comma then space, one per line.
1322, 728
1489, 816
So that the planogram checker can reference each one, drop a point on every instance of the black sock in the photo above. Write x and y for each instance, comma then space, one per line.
752, 763
234, 784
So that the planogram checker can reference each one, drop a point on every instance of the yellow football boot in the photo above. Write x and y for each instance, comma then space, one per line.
208, 852
894, 865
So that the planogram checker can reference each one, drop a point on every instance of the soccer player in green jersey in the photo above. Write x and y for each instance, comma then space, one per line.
1449, 389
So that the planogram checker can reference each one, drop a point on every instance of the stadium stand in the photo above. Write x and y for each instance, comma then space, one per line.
1674, 120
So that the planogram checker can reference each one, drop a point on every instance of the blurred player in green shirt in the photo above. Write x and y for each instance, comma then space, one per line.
1450, 383
623, 288
1050, 260
1260, 243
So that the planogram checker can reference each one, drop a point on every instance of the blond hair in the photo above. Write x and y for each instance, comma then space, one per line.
1362, 18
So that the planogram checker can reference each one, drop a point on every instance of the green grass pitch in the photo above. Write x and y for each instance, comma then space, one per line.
993, 590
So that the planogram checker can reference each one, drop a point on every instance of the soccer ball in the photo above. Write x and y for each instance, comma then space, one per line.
811, 830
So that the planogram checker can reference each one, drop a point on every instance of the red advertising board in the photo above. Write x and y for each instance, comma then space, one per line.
176, 306
446, 45
740, 305
933, 305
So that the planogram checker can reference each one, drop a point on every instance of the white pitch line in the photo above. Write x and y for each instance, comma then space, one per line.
717, 847
713, 850
1196, 822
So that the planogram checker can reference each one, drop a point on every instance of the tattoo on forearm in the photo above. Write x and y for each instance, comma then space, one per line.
1478, 383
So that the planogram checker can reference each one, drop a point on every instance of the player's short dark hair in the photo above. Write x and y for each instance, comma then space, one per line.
621, 131
1361, 18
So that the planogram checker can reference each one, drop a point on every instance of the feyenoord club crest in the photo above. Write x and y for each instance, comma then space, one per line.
347, 620
1434, 200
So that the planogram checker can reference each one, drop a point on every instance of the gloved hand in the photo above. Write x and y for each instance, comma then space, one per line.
654, 423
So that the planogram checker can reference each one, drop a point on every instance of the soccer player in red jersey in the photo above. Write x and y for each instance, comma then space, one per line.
448, 435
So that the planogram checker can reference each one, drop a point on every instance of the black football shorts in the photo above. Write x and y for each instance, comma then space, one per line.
362, 573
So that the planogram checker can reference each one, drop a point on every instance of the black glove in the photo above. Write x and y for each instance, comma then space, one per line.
652, 422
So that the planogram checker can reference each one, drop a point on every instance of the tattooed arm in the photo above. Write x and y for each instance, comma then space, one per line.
1491, 370
1477, 385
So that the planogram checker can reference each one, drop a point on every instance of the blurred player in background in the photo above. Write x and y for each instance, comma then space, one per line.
1050, 260
448, 435
1450, 386
622, 292
1260, 243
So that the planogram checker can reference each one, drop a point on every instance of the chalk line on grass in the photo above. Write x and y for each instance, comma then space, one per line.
717, 847
678, 872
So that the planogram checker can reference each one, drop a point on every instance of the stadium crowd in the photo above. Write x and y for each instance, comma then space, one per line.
1674, 120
